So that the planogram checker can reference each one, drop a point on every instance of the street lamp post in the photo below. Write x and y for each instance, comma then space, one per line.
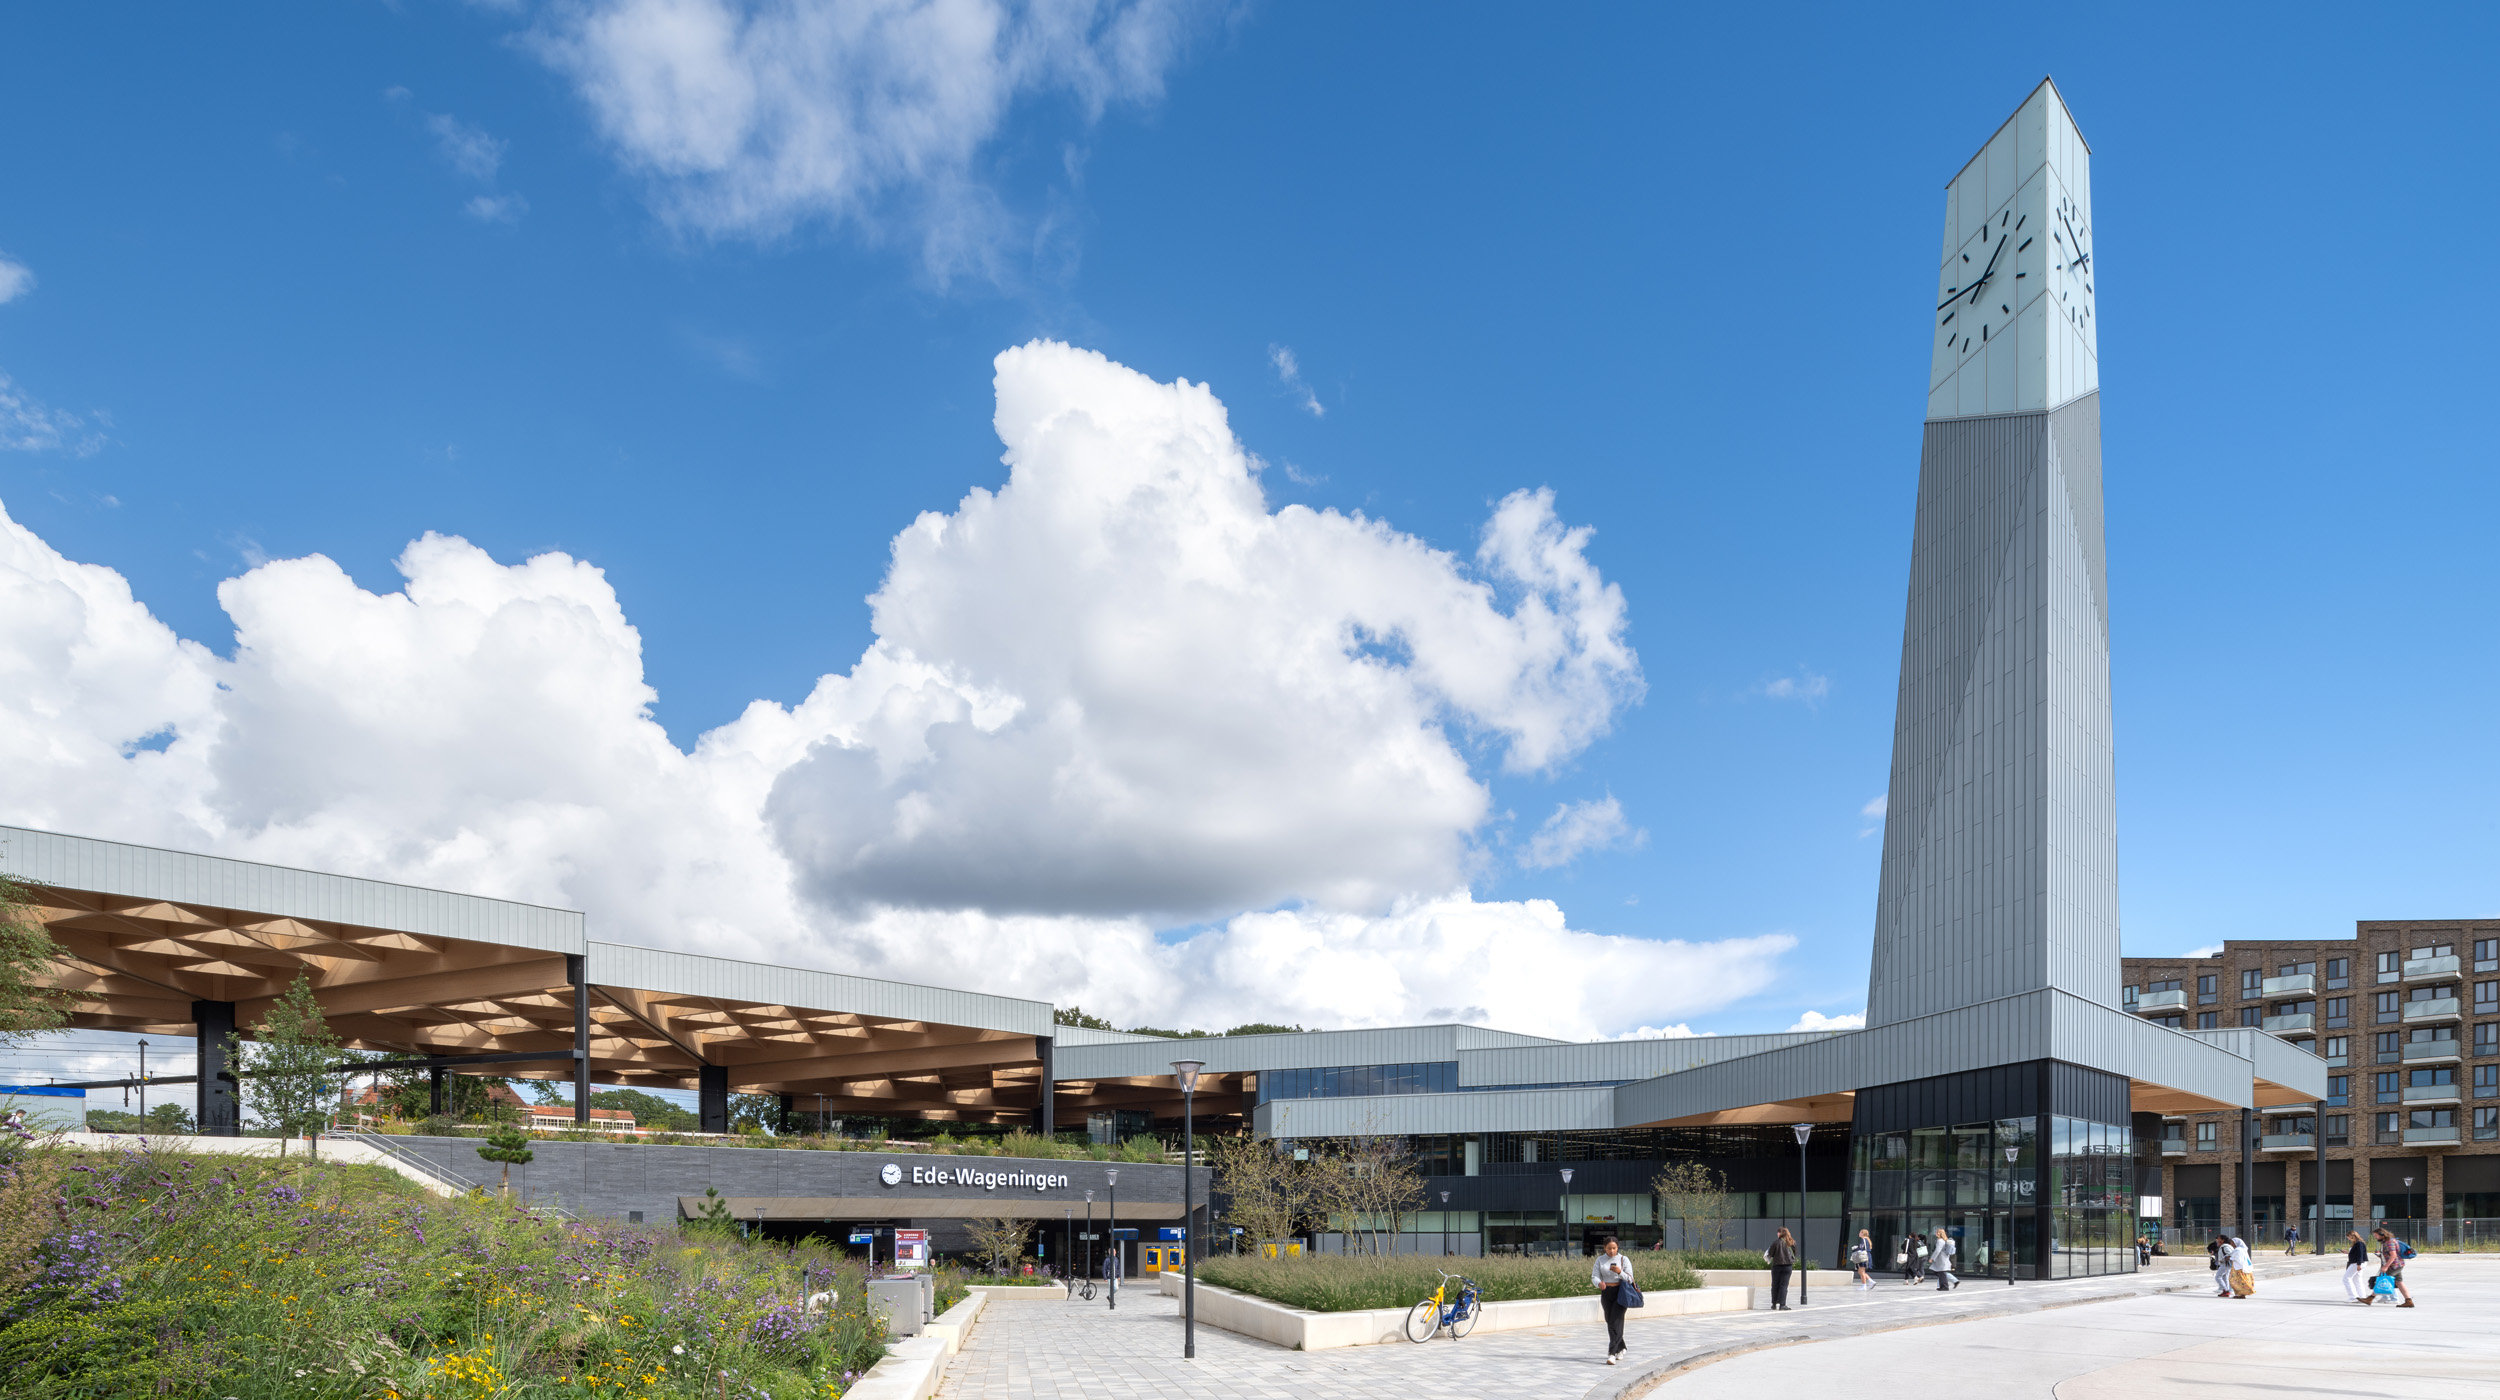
1445, 1224
1562, 1218
1089, 1234
1187, 1072
2012, 1151
2409, 1201
1067, 1241
143, 1086
1111, 1271
1805, 1274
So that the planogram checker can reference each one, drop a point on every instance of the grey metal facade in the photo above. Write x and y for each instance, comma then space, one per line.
2000, 869
1407, 1115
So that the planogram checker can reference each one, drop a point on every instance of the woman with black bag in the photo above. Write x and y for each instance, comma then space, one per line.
1783, 1257
1616, 1292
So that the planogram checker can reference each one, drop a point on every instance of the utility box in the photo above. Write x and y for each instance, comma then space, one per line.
904, 1301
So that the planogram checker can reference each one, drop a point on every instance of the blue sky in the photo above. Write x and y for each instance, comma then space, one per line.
320, 279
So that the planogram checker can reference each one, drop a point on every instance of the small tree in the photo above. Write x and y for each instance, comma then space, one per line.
999, 1240
511, 1147
27, 956
289, 1083
1698, 1196
1265, 1189
713, 1217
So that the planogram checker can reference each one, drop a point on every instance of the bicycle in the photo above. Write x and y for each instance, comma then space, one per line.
1425, 1320
1082, 1289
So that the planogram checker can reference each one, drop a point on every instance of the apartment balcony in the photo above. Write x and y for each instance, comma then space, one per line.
2433, 1052
2428, 969
2174, 1147
2433, 1094
2433, 1009
2417, 1137
2161, 1001
2303, 1024
2287, 1142
2301, 984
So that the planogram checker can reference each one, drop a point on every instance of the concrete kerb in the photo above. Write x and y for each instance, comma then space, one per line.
1298, 1329
912, 1367
1659, 1373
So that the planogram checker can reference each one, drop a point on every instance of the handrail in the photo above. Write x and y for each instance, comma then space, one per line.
443, 1174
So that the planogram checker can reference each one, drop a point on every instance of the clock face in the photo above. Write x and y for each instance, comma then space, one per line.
1985, 282
891, 1175
2070, 245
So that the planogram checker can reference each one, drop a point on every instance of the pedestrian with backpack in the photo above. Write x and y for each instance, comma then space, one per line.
1861, 1255
1911, 1259
2393, 1253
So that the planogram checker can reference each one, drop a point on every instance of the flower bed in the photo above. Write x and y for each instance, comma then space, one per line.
131, 1273
1335, 1283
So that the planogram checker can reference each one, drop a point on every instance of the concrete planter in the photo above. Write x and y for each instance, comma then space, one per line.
1023, 1293
1316, 1331
912, 1367
1759, 1280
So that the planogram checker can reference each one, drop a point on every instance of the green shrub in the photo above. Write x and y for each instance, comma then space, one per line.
1728, 1259
1335, 1283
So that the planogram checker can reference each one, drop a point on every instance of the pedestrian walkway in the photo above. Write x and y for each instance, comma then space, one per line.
2298, 1337
1084, 1351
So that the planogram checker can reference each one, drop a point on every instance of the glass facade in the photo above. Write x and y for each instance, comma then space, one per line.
1981, 1184
1358, 1081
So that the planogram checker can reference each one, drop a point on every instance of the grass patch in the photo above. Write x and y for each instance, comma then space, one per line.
139, 1274
1338, 1284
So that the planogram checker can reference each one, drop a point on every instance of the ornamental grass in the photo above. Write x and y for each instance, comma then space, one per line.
1339, 1283
145, 1274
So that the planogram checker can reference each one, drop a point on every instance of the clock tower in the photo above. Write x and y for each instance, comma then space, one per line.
2000, 865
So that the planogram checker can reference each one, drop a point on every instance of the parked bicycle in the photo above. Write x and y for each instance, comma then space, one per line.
1082, 1288
1452, 1304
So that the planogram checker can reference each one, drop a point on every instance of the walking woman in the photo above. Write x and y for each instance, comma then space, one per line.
2391, 1262
1610, 1273
2356, 1255
1783, 1252
1913, 1260
1940, 1262
1861, 1257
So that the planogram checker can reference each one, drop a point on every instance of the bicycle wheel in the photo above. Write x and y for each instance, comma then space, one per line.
1087, 1292
1468, 1310
1423, 1320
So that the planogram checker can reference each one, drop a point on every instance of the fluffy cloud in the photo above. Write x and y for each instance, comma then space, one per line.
16, 279
1577, 828
465, 148
749, 119
1817, 1021
1116, 694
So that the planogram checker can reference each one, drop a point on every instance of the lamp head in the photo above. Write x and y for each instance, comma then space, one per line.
1566, 1176
2012, 1151
1186, 1071
1112, 1175
1445, 1198
1804, 1131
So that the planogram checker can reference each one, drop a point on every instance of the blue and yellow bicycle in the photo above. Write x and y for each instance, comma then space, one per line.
1453, 1304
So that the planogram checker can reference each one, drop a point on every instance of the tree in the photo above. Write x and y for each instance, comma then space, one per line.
755, 1113
1366, 1185
27, 956
713, 1217
511, 1147
1265, 1190
288, 1082
164, 1120
1267, 1028
1698, 1196
1075, 1016
999, 1240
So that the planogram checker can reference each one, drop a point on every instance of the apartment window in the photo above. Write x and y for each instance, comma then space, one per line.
2252, 982
2487, 1038
2309, 969
2487, 955
2436, 950
2486, 1124
2391, 1007
2173, 1022
2336, 1047
2444, 992
2391, 1127
2338, 973
2209, 1020
2487, 1081
2431, 1118
2391, 967
2171, 985
2431, 1078
2253, 1016
2205, 995
2338, 1012
2293, 1008
2338, 1129
2390, 1047
2127, 992
2304, 1124
2387, 1090
2205, 1137
2339, 1089
2486, 998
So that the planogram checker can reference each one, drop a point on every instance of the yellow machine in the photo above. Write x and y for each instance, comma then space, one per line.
1156, 1258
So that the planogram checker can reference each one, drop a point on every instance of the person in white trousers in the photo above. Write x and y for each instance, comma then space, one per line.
1940, 1263
2356, 1258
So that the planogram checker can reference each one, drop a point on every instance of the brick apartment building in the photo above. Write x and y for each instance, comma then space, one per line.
2407, 1015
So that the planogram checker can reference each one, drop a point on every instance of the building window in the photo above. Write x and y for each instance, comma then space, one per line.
2487, 955
2338, 1012
2487, 1038
2205, 1137
2430, 1078
2446, 992
2390, 1047
2209, 1020
2336, 1048
2391, 1007
2486, 998
2431, 1118
2388, 1091
2338, 1129
2338, 1089
2205, 995
2170, 985
2436, 950
2252, 1016
2252, 982
2391, 1127
2128, 992
2173, 1022
2300, 1126
1358, 1081
2486, 1124
2338, 973
2391, 967
2307, 969
2487, 1081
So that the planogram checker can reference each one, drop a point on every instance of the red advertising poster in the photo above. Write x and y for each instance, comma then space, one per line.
911, 1249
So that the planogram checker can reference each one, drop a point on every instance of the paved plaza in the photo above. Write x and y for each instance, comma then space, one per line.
1082, 1351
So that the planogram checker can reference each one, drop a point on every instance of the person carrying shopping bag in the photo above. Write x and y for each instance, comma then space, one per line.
1616, 1292
2243, 1269
1940, 1262
1861, 1256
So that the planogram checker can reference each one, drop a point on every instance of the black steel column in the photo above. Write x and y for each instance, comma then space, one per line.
712, 1095
783, 1127
579, 976
435, 1086
1049, 1111
218, 1117
2044, 1179
2248, 1175
2317, 1140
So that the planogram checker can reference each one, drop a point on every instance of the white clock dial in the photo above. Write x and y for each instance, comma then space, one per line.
1983, 285
2070, 239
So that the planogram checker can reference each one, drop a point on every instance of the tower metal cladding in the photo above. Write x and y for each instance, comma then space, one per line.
2000, 865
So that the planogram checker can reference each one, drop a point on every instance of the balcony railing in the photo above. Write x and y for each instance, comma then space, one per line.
2431, 1052
2433, 1009
2162, 1001
2286, 986
2422, 969
2303, 1024
2432, 1093
2286, 1142
2431, 1135
2174, 1147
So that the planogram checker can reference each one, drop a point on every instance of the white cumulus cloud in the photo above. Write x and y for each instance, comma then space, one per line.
1817, 1021
1114, 695
749, 118
16, 279
1576, 828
